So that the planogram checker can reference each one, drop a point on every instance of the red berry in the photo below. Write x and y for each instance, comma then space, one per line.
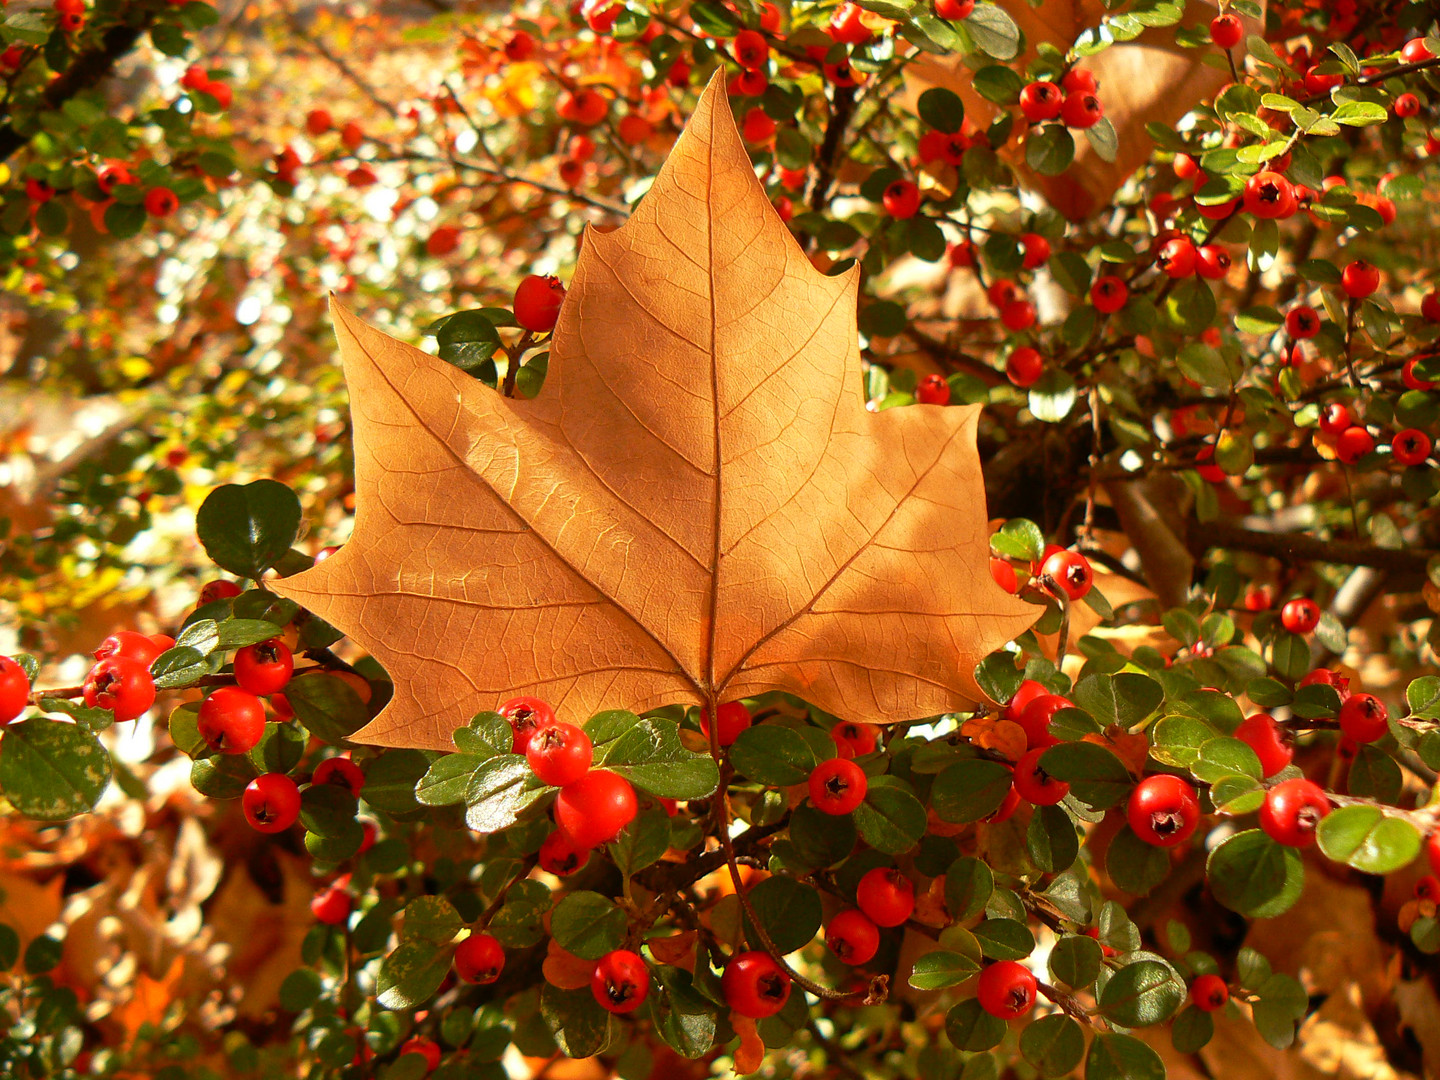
901, 199
1041, 101
218, 590
352, 135
1410, 447
852, 937
1268, 739
265, 668
1300, 616
769, 17
1319, 83
1037, 250
1353, 444
1270, 195
601, 15
122, 685
1408, 376
479, 959
332, 904
520, 47
537, 303
1006, 989
1027, 692
161, 202
1432, 851
734, 718
592, 810
1415, 51
527, 715
1292, 810
231, 720
1302, 321
1335, 418
1226, 31
750, 50
1081, 109
1034, 784
1079, 79
1258, 598
1035, 718
1209, 992
1407, 105
130, 644
1364, 718
271, 802
755, 985
1359, 279
620, 981
758, 126
1070, 572
1212, 262
1176, 257
1109, 294
853, 740
429, 1049
443, 241
14, 690
846, 27
837, 786
340, 771
1163, 810
318, 121
559, 754
559, 857
886, 896
1018, 314
1428, 888
963, 254
1024, 366
38, 191
954, 9
933, 390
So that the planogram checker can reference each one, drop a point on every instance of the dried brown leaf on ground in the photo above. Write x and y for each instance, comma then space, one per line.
696, 506
1141, 81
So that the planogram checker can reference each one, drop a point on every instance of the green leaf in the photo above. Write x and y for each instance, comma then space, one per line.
1282, 1004
180, 666
501, 790
1095, 775
329, 707
1359, 114
432, 919
51, 770
1051, 840
1021, 539
1135, 866
1076, 960
1005, 939
1423, 696
941, 968
652, 758
968, 885
246, 530
1050, 150
390, 780
1365, 838
890, 819
1103, 139
998, 84
588, 925
1053, 1044
998, 677
447, 780
821, 839
1251, 874
942, 109
580, 1026
773, 754
1140, 994
969, 790
411, 974
971, 1028
1124, 699
1122, 1057
788, 910
994, 31
487, 735
681, 1015
1224, 756
1192, 1029
642, 842
327, 809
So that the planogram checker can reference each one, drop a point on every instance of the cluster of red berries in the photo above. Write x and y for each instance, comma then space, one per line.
199, 80
1074, 100
1059, 572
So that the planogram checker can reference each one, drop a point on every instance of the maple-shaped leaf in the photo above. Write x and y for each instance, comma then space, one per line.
697, 507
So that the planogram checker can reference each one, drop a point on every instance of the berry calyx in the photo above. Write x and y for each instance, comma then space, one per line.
1292, 810
559, 754
231, 721
271, 803
332, 904
1300, 616
479, 959
620, 981
1269, 741
1209, 992
1364, 718
1163, 810
1410, 447
901, 199
527, 715
537, 303
886, 896
837, 786
1302, 321
1109, 294
14, 690
1033, 784
121, 685
1226, 31
265, 668
1006, 989
592, 810
559, 857
755, 985
1068, 571
933, 390
734, 718
852, 937
1269, 195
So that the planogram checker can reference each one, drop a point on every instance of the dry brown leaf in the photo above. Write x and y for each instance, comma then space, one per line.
1146, 80
992, 733
566, 970
677, 950
697, 506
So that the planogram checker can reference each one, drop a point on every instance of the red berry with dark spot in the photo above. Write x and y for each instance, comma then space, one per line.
527, 715
837, 786
1006, 989
1212, 262
1364, 718
537, 303
479, 959
1070, 572
1300, 616
1353, 444
1081, 109
1176, 258
853, 740
1269, 195
852, 937
1410, 447
218, 590
1033, 784
901, 199
1109, 294
620, 981
933, 390
1268, 739
1407, 105
1209, 992
161, 202
1163, 810
265, 668
231, 720
561, 858
1302, 321
340, 771
271, 802
14, 690
750, 50
559, 754
1292, 810
886, 896
1428, 888
755, 985
1041, 101
122, 685
734, 718
594, 809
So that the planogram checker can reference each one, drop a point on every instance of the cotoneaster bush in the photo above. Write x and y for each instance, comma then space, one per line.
1210, 399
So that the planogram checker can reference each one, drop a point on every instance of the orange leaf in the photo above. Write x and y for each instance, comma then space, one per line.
1130, 749
149, 999
678, 950
696, 506
993, 733
566, 970
751, 1053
